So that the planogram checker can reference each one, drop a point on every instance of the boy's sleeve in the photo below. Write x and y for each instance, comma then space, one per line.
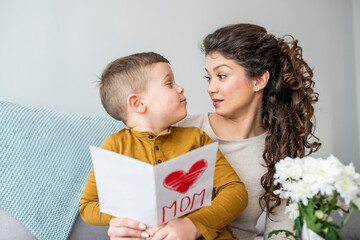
89, 207
230, 198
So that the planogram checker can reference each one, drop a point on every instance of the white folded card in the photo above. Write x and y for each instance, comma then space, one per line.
154, 194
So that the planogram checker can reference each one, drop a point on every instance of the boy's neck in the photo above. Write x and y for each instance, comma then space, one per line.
155, 131
141, 123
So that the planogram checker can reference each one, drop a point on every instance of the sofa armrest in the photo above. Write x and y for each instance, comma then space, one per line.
13, 229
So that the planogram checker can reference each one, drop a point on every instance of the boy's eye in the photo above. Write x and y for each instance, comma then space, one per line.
170, 84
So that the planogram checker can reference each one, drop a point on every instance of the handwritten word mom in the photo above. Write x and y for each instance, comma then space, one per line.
177, 208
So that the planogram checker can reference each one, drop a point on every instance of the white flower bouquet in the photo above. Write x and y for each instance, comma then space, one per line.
314, 187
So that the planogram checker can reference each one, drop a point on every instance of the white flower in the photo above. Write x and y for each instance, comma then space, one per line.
322, 174
319, 182
280, 193
349, 170
347, 189
288, 168
292, 209
298, 191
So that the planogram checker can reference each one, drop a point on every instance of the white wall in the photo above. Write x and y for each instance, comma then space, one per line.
51, 52
356, 29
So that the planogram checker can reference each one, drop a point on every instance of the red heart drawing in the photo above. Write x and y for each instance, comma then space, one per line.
181, 181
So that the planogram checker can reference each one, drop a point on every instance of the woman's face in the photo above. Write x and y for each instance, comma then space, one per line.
231, 91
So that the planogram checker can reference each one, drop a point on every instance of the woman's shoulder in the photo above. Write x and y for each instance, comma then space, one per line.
196, 120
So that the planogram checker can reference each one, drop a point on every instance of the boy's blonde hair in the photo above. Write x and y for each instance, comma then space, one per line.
125, 76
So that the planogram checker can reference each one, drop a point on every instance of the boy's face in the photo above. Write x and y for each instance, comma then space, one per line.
164, 99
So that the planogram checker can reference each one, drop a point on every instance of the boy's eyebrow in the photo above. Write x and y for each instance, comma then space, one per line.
169, 75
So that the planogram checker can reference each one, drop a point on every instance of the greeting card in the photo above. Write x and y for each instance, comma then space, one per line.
154, 194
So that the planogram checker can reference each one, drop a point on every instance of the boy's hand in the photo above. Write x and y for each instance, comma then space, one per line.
153, 230
125, 228
177, 229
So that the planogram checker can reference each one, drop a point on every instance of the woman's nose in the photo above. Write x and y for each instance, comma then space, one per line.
212, 87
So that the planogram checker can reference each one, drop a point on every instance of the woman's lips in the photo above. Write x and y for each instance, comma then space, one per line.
216, 101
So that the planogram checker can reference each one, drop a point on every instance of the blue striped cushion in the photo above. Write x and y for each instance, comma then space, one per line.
45, 162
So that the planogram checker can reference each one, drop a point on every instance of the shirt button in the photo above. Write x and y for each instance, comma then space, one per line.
159, 161
157, 148
150, 136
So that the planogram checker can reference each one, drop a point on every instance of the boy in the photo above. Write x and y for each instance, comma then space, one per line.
140, 90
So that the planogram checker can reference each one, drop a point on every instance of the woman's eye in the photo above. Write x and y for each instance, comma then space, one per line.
208, 78
221, 76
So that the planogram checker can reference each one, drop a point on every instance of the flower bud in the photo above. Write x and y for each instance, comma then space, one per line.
319, 214
356, 203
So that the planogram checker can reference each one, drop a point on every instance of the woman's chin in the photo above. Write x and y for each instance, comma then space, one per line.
220, 112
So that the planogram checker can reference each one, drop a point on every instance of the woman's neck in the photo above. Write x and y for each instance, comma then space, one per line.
236, 128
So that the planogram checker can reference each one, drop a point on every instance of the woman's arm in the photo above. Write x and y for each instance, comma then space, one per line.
278, 220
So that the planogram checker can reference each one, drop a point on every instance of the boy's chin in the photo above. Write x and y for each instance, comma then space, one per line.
184, 116
180, 118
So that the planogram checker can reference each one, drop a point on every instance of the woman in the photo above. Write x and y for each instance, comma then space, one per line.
262, 91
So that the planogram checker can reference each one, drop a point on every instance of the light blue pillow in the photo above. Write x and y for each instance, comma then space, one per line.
45, 162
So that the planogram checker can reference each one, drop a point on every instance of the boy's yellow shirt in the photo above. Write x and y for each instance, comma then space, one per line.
229, 193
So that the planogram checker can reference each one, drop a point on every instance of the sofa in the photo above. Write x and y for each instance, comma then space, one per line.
45, 162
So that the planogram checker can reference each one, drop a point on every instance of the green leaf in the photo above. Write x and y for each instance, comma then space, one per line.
334, 226
298, 226
332, 234
308, 213
287, 233
275, 232
347, 217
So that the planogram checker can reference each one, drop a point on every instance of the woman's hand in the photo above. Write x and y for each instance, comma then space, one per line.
177, 229
125, 228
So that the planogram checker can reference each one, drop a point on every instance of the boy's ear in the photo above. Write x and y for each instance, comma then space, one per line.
261, 81
136, 104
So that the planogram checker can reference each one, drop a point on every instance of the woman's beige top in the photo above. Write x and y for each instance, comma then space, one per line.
245, 156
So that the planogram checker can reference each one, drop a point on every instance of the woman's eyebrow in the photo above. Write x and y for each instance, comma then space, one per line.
219, 66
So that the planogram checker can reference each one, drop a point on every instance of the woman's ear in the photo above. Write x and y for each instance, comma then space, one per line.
136, 104
261, 81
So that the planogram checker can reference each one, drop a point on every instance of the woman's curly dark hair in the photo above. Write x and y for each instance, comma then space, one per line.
288, 98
